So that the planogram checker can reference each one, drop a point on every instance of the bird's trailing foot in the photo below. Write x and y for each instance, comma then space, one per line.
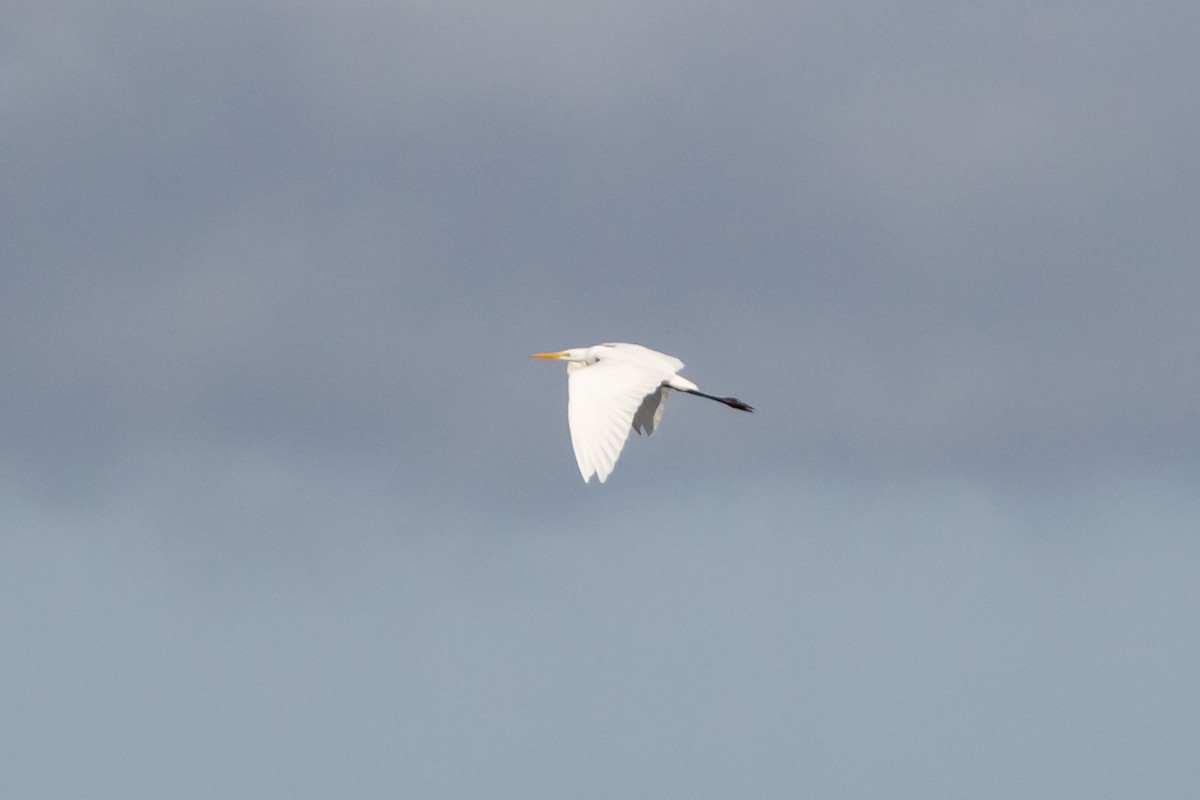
733, 402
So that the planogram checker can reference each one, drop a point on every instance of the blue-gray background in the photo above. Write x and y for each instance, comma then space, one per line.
289, 512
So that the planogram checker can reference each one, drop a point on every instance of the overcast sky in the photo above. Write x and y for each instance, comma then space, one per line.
290, 513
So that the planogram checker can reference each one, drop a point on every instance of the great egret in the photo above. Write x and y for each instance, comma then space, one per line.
613, 388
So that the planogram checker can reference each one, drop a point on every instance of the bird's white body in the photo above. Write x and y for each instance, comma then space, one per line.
615, 388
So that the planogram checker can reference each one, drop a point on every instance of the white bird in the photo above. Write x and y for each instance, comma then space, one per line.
613, 388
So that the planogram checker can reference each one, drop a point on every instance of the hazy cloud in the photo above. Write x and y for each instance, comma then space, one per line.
292, 511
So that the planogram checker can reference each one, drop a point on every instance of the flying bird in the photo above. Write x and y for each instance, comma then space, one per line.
615, 388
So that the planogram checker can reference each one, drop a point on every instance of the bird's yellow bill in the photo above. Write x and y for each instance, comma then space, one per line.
547, 355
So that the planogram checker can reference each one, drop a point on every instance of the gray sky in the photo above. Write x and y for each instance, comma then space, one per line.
290, 513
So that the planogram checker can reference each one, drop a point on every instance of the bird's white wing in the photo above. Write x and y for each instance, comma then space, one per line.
644, 356
602, 399
650, 412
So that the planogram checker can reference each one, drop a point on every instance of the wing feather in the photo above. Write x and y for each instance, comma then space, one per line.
603, 398
650, 412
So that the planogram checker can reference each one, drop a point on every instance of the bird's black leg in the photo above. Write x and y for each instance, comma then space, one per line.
732, 402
